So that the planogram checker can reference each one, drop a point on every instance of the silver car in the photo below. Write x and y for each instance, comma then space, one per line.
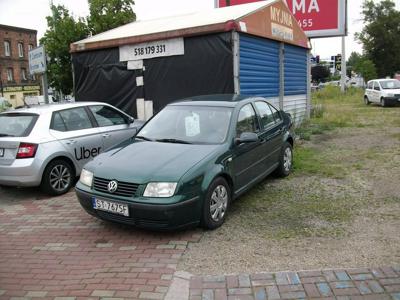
48, 145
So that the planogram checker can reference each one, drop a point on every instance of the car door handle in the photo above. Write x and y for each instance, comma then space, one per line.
71, 142
106, 135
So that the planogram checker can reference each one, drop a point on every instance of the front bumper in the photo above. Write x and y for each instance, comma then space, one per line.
150, 216
22, 172
392, 100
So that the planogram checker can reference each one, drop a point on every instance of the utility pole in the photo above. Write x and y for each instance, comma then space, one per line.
343, 66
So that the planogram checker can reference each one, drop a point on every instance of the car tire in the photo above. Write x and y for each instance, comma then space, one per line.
216, 204
383, 102
366, 100
285, 161
57, 178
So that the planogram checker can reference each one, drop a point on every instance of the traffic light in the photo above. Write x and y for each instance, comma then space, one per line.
338, 62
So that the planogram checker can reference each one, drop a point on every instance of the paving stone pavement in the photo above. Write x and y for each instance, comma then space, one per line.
51, 249
355, 284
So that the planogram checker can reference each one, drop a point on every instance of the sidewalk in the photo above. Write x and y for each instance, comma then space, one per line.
378, 283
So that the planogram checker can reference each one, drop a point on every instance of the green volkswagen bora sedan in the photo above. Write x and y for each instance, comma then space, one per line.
188, 163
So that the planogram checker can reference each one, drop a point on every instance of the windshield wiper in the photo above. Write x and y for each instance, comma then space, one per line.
5, 134
143, 138
173, 141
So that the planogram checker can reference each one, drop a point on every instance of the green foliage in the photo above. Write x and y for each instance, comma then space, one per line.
109, 14
62, 30
367, 69
380, 35
319, 73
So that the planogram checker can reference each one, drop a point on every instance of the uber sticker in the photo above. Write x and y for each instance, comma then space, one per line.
192, 125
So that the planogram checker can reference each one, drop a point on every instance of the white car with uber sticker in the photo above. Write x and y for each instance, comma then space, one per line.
47, 145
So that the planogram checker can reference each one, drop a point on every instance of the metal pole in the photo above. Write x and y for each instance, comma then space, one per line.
343, 77
216, 4
45, 88
1, 85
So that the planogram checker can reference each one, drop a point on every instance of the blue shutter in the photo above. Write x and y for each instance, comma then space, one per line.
259, 66
295, 70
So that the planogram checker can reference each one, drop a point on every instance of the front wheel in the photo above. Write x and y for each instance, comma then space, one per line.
57, 178
216, 204
383, 102
285, 161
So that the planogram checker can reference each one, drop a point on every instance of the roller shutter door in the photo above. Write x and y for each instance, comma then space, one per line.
259, 66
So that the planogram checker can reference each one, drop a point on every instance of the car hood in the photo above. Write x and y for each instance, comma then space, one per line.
392, 91
141, 161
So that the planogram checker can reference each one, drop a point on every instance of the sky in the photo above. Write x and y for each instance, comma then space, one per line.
32, 14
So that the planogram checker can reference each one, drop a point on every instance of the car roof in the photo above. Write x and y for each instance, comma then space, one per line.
40, 109
224, 100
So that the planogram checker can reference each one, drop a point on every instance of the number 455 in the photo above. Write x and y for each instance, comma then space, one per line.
306, 23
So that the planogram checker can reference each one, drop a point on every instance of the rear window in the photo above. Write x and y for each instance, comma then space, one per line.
17, 124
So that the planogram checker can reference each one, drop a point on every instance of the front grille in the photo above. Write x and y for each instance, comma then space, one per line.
397, 95
125, 189
160, 224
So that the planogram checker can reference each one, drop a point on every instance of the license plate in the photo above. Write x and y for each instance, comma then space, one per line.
112, 207
1, 152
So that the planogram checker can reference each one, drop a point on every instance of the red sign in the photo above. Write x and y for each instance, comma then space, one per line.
318, 18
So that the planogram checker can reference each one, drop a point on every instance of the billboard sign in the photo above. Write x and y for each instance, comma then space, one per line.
37, 60
318, 18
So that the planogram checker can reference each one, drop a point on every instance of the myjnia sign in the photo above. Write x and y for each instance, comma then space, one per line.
318, 18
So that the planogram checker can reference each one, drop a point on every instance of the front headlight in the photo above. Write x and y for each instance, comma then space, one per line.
160, 189
86, 177
390, 95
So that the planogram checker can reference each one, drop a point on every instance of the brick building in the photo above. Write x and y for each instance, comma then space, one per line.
16, 82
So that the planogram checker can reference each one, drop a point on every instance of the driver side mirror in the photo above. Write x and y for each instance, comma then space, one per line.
246, 137
131, 120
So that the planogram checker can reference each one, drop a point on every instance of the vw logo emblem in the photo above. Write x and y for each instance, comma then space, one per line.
112, 186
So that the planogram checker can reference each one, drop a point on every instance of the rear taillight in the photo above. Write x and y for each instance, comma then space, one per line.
26, 150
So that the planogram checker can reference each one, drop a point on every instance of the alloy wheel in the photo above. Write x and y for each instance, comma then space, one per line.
287, 159
218, 203
60, 178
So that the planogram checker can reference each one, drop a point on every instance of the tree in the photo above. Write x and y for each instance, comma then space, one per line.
354, 58
380, 36
366, 68
62, 30
320, 73
108, 14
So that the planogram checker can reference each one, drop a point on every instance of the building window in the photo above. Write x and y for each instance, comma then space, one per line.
20, 50
23, 74
10, 74
30, 47
7, 48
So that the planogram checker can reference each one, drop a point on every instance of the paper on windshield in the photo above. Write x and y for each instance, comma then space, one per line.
192, 125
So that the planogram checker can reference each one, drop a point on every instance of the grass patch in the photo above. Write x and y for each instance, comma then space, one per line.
283, 213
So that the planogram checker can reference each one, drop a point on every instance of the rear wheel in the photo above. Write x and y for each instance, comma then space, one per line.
285, 161
57, 178
366, 100
216, 204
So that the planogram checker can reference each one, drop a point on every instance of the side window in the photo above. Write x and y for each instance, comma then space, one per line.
106, 116
370, 85
247, 120
58, 122
267, 118
376, 86
276, 113
75, 119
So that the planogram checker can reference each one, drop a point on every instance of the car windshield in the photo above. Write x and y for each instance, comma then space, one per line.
16, 124
390, 84
188, 124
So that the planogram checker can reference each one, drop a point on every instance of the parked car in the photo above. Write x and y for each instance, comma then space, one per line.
48, 145
383, 91
188, 163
